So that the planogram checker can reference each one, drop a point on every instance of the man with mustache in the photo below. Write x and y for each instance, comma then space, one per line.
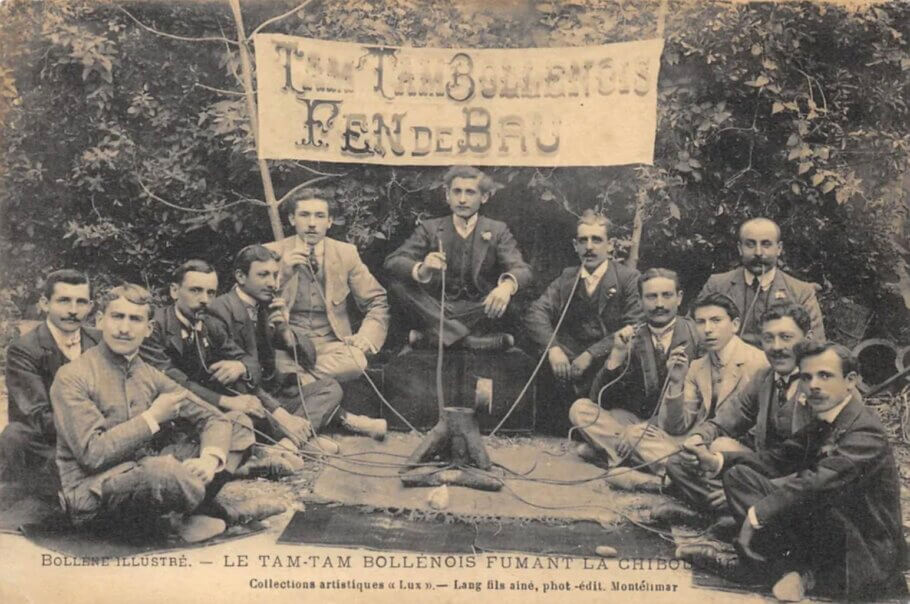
134, 447
484, 269
256, 319
759, 283
639, 362
820, 510
28, 441
762, 415
605, 300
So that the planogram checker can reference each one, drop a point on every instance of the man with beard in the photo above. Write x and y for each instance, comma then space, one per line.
636, 368
821, 510
28, 441
762, 415
759, 283
605, 300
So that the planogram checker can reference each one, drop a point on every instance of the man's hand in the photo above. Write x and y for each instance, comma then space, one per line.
744, 541
166, 406
677, 365
434, 261
690, 460
278, 311
559, 363
622, 340
296, 428
202, 468
494, 305
227, 372
632, 435
717, 499
581, 364
293, 257
245, 403
710, 463
358, 341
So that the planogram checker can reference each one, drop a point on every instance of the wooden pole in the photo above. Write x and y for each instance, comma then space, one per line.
247, 75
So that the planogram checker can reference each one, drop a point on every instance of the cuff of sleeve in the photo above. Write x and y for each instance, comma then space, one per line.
152, 424
415, 273
511, 279
217, 454
753, 518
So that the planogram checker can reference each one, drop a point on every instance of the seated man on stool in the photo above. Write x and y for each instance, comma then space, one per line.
762, 415
257, 322
820, 511
28, 442
483, 265
122, 446
639, 362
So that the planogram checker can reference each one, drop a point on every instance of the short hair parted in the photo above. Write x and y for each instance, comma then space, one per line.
289, 205
484, 182
65, 275
656, 273
759, 219
590, 217
129, 292
796, 312
717, 299
253, 253
190, 266
810, 348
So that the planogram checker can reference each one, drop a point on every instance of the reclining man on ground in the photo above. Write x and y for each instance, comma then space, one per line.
765, 413
134, 446
28, 442
257, 321
635, 374
483, 265
197, 352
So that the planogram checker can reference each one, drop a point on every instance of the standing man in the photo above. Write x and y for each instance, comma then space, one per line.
318, 276
639, 362
28, 442
758, 283
119, 453
605, 300
822, 508
483, 265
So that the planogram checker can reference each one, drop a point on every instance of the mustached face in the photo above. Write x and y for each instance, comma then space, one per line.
592, 245
194, 294
823, 378
778, 338
759, 246
68, 306
660, 299
124, 325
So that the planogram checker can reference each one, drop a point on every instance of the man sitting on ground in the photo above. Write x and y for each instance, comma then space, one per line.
121, 447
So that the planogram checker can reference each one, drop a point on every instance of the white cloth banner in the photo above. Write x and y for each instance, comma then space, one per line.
343, 102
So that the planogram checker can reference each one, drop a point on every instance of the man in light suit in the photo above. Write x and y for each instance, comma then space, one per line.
758, 283
318, 276
696, 392
484, 268
28, 441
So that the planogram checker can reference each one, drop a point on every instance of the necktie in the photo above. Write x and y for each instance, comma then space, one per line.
781, 385
716, 376
313, 261
71, 348
264, 352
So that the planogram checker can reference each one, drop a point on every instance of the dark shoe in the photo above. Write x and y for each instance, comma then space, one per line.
269, 465
591, 455
709, 558
724, 529
490, 341
669, 512
246, 510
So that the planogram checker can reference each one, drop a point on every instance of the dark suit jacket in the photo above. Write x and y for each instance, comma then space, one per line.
617, 309
841, 474
638, 389
493, 256
749, 409
32, 361
164, 350
785, 288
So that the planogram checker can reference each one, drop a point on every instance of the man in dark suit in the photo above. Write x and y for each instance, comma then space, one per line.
636, 368
605, 300
483, 265
758, 283
821, 509
28, 441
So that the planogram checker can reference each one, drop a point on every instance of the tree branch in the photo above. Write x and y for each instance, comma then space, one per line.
303, 185
219, 90
278, 18
195, 210
173, 36
300, 164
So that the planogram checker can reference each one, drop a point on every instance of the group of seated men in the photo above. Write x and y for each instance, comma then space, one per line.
743, 411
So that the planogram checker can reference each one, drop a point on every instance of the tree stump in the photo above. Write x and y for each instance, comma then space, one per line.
455, 438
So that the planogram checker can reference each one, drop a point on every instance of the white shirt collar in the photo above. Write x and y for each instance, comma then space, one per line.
598, 272
464, 227
724, 354
304, 247
64, 340
245, 297
766, 280
778, 376
831, 414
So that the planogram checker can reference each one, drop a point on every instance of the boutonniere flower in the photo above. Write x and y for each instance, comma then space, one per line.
827, 450
801, 399
780, 295
486, 235
611, 291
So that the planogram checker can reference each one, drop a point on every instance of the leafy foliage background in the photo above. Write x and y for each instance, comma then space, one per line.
123, 151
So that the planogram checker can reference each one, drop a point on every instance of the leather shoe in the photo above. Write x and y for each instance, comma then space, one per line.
268, 465
490, 341
709, 558
196, 528
724, 529
670, 512
792, 587
375, 428
246, 510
